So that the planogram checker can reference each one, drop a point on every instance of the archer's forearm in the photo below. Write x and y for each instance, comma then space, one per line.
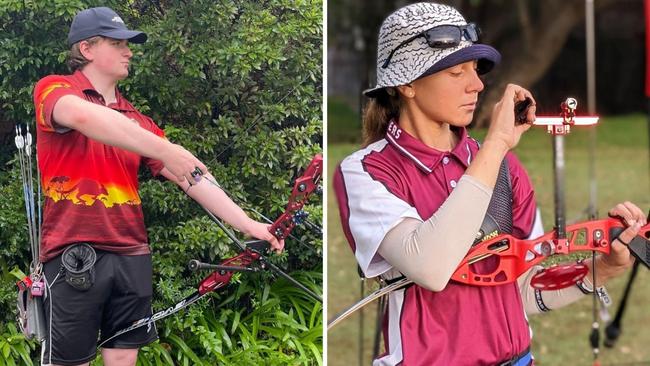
215, 200
108, 126
428, 252
485, 166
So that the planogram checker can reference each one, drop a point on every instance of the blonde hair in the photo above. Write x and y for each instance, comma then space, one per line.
378, 112
77, 61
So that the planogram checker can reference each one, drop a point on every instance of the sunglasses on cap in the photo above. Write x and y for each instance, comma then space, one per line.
442, 36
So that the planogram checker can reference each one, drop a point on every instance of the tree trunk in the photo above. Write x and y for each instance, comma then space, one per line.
526, 58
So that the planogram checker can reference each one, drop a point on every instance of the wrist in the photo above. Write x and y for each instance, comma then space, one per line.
248, 226
165, 151
497, 145
602, 271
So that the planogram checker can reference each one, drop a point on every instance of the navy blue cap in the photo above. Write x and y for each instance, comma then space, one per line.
101, 21
485, 55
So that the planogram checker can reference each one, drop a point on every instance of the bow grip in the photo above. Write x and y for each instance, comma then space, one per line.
639, 246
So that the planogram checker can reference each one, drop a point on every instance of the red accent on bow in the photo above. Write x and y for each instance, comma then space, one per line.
516, 256
302, 188
219, 278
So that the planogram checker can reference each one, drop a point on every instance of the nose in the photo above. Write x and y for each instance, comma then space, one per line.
475, 83
127, 51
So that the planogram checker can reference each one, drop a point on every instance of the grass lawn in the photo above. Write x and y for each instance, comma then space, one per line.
622, 171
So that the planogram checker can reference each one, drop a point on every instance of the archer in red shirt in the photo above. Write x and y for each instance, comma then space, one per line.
91, 143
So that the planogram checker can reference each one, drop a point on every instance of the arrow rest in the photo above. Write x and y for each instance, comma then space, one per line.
300, 216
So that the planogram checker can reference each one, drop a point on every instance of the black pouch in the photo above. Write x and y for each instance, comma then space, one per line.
78, 261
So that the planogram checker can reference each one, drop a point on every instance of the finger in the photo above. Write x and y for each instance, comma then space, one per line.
523, 127
532, 113
188, 176
528, 94
520, 94
628, 234
278, 246
620, 210
509, 95
637, 213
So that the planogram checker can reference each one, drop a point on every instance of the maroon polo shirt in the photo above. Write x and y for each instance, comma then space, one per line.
399, 177
90, 189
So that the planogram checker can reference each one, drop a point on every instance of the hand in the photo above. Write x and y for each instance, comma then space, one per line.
182, 163
503, 130
261, 231
619, 258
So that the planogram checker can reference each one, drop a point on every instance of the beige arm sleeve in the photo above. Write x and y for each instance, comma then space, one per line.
429, 252
551, 300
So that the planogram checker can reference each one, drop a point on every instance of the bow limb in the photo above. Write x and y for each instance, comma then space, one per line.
367, 300
517, 256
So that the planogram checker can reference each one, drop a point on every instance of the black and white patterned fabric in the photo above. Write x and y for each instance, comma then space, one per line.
413, 59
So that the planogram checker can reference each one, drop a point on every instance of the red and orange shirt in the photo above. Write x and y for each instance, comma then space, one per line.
90, 189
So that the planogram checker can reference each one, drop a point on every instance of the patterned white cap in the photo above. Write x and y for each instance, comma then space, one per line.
416, 58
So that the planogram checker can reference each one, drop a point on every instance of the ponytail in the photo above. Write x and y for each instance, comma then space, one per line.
378, 113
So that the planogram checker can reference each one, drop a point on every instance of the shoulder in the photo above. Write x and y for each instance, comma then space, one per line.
372, 157
52, 82
377, 151
54, 85
373, 171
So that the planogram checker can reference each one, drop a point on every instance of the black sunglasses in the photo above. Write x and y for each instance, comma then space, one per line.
442, 36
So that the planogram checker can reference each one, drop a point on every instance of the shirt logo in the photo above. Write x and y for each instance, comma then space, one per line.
394, 130
117, 20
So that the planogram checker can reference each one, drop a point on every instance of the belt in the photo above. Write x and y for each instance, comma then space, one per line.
522, 359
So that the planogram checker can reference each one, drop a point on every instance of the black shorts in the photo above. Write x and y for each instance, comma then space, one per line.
120, 295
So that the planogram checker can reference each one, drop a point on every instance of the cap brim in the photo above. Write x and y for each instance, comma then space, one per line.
486, 56
375, 92
132, 36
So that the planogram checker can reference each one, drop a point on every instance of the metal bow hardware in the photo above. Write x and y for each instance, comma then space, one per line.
252, 257
302, 188
516, 256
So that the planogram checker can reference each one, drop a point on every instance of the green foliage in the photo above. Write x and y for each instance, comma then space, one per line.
239, 84
14, 348
343, 123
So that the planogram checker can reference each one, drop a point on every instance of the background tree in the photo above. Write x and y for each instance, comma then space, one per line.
239, 84
542, 44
